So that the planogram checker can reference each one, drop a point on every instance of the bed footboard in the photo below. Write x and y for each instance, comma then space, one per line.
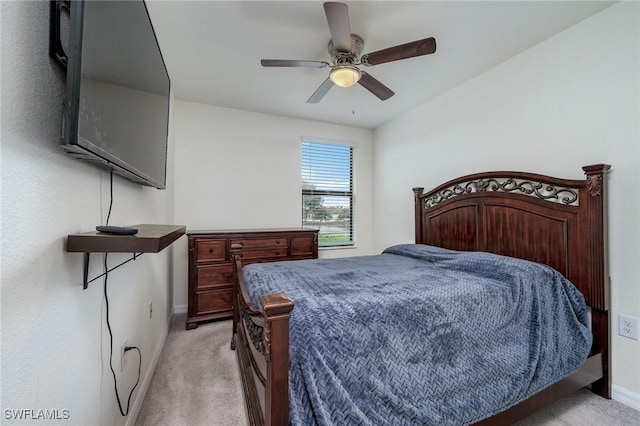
261, 341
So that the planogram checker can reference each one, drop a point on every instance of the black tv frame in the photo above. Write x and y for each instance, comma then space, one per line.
74, 145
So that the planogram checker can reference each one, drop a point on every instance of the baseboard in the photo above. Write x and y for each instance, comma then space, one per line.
180, 309
625, 397
144, 386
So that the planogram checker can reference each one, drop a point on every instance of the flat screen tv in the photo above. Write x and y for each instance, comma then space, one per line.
116, 107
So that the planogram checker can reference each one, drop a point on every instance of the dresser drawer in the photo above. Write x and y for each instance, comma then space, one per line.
215, 275
211, 250
302, 246
252, 243
214, 301
264, 253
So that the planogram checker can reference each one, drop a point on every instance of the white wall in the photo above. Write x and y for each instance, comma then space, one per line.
239, 170
572, 100
55, 346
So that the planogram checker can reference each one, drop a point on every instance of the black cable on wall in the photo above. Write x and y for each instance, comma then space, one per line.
106, 300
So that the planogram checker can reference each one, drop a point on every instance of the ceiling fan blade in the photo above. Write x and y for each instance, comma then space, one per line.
375, 87
293, 63
320, 92
403, 51
338, 19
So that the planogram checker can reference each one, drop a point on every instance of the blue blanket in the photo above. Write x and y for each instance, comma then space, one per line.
422, 335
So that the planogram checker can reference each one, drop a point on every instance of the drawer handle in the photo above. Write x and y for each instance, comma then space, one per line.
227, 274
277, 251
226, 299
277, 241
210, 249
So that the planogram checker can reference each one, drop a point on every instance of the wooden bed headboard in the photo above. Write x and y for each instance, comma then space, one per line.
558, 222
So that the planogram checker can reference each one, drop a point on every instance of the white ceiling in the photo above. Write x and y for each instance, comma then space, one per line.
212, 50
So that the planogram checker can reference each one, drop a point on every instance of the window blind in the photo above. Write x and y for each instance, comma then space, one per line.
327, 192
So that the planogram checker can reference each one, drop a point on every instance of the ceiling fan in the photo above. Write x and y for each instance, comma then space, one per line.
345, 49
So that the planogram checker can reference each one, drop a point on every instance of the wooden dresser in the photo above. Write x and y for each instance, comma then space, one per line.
211, 269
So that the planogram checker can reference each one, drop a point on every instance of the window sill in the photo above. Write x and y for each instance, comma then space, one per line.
338, 247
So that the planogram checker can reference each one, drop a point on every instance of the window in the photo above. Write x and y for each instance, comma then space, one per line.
327, 192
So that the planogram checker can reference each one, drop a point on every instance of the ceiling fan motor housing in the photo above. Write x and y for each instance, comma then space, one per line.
340, 58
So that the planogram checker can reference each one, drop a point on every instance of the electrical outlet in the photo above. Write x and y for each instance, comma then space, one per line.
123, 355
628, 326
150, 310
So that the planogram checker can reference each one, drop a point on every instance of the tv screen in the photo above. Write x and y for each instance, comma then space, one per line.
116, 109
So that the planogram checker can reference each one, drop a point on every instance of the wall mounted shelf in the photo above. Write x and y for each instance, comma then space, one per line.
149, 239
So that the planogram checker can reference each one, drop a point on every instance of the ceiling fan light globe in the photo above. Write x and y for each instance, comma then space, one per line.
345, 76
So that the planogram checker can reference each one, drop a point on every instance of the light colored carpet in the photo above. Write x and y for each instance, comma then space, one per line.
197, 383
584, 408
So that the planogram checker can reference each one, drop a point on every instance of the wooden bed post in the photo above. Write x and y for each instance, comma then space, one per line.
419, 214
599, 281
236, 254
277, 308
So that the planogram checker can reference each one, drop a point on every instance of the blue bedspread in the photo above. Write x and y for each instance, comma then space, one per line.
422, 335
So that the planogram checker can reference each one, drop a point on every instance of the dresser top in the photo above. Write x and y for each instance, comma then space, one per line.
250, 231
